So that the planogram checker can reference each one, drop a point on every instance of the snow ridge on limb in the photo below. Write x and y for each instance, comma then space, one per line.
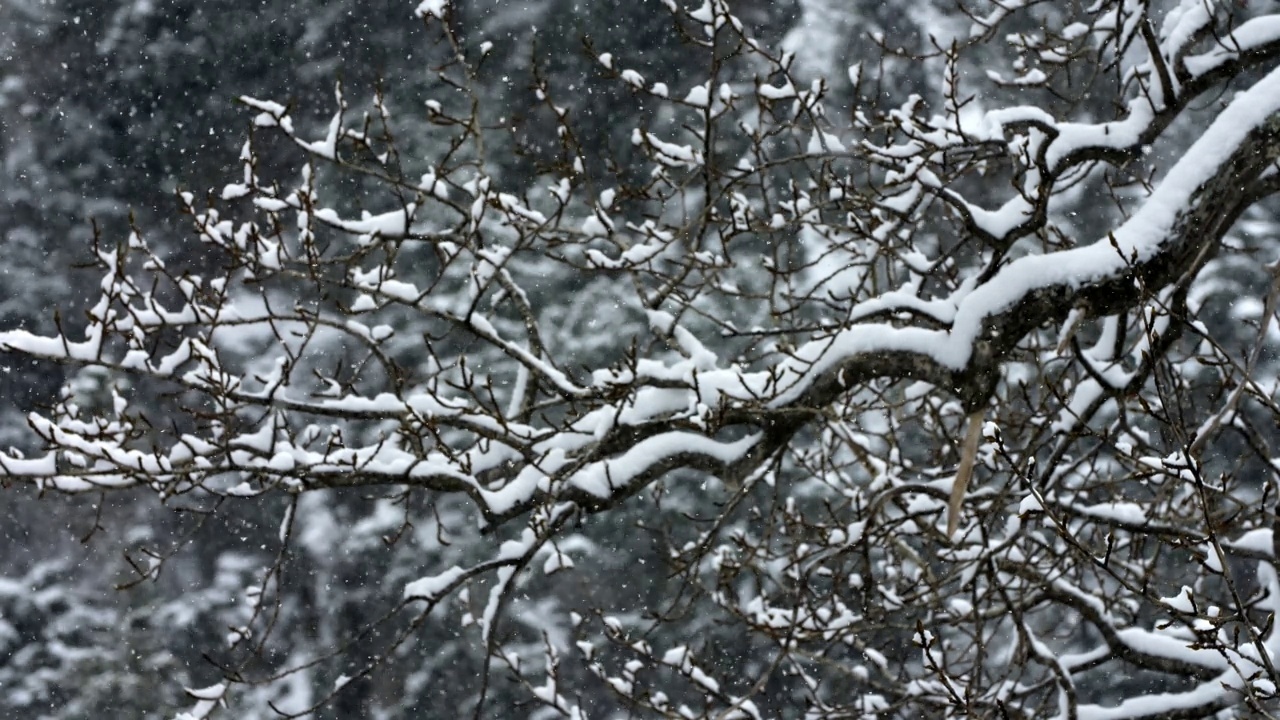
1167, 240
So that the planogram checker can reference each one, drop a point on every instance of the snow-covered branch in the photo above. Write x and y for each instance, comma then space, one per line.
776, 318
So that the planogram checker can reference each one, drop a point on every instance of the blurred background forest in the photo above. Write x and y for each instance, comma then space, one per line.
107, 108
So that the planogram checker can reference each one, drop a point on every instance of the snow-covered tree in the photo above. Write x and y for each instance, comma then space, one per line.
812, 401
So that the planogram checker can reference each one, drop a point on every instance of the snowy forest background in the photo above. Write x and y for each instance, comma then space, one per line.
108, 109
